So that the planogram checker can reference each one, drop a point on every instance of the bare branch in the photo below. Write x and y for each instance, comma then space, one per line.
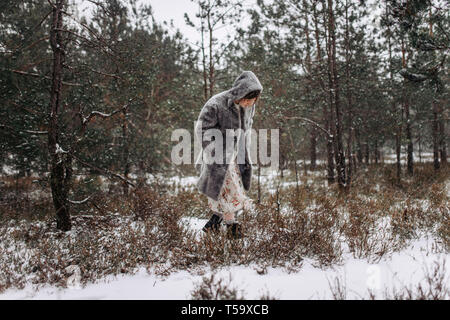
99, 38
103, 115
52, 4
33, 64
101, 6
103, 73
105, 171
23, 131
79, 202
315, 124
27, 47
43, 19
37, 75
24, 73
224, 13
35, 132
98, 45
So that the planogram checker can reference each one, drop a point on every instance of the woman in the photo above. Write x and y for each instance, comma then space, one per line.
225, 183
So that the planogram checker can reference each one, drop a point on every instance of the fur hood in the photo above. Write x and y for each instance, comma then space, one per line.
244, 84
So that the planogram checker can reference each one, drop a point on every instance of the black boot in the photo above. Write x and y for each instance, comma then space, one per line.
213, 223
234, 231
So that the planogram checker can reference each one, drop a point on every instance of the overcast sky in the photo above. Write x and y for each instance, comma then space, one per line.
174, 10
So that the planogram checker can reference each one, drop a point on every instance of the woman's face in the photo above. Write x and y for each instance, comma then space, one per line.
247, 102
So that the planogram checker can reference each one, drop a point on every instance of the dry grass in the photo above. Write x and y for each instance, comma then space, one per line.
435, 286
115, 234
212, 289
22, 198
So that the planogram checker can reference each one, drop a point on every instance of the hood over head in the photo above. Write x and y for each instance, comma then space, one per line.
244, 84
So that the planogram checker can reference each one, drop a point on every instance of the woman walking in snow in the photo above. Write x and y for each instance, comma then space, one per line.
225, 182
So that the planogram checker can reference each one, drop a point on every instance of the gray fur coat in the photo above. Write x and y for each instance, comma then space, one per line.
220, 113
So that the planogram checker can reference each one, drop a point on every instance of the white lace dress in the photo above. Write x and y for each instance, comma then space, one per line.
232, 196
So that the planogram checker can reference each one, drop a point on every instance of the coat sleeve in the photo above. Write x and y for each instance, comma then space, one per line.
208, 119
248, 135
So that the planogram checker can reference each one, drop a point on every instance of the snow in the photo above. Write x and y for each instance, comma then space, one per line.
59, 149
447, 187
184, 181
402, 269
391, 158
194, 224
8, 170
406, 268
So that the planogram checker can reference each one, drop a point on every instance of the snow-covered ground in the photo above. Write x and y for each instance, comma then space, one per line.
394, 272
407, 268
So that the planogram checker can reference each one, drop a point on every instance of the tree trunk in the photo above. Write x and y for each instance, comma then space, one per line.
406, 106
410, 160
259, 182
349, 97
439, 144
291, 140
359, 152
443, 137
396, 125
313, 148
205, 76
376, 152
126, 152
211, 60
366, 152
339, 147
419, 145
60, 168
313, 132
326, 114
435, 131
330, 161
398, 150
398, 147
